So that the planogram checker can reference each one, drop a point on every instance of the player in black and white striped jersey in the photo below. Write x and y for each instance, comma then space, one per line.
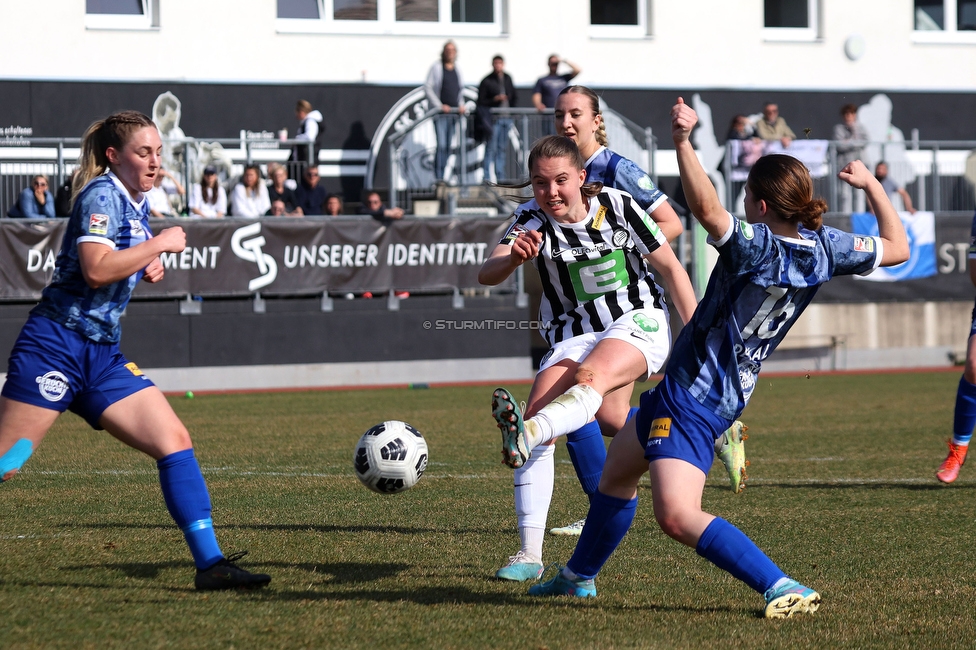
604, 318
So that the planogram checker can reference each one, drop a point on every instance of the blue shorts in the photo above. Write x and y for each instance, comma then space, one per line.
673, 424
56, 368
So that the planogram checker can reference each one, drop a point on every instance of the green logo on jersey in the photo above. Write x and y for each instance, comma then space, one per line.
650, 223
593, 278
746, 228
646, 323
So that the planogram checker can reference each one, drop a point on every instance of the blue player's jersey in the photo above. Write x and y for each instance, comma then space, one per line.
613, 170
758, 289
103, 213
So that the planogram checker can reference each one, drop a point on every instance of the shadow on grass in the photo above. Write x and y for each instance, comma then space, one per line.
328, 573
314, 528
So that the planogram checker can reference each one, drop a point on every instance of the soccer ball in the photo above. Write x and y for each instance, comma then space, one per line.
390, 457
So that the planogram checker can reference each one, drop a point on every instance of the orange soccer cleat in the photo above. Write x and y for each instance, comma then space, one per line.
949, 469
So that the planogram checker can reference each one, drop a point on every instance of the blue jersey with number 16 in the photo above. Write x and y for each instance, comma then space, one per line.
760, 285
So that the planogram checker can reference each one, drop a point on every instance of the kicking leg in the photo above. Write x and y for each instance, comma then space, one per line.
22, 427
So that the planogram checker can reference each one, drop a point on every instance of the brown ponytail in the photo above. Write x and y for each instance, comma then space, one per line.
784, 183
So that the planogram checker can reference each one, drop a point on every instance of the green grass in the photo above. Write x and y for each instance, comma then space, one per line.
841, 494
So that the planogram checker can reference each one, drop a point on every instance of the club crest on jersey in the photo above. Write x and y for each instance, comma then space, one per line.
620, 238
52, 385
746, 229
98, 224
863, 244
660, 428
601, 214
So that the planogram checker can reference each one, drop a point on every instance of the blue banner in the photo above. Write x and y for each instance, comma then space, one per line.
920, 228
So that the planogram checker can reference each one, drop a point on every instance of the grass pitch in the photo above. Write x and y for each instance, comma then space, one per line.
841, 494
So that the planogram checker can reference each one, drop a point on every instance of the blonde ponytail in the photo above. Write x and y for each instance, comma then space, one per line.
114, 131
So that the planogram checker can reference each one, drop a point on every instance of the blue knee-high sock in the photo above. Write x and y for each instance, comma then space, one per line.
607, 522
965, 416
188, 502
588, 453
728, 548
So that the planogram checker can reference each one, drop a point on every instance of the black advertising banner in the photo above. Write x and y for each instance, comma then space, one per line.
279, 256
950, 283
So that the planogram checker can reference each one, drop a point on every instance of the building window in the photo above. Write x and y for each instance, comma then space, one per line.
121, 14
791, 20
945, 21
424, 17
619, 18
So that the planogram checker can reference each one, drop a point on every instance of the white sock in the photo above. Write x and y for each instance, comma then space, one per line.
533, 494
563, 415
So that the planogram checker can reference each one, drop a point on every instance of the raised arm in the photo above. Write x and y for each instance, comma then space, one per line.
890, 228
506, 258
699, 191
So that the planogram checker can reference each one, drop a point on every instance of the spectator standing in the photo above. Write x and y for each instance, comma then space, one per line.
333, 205
445, 88
35, 202
158, 196
373, 206
308, 131
309, 195
850, 136
892, 188
547, 88
250, 195
280, 192
772, 126
208, 200
496, 91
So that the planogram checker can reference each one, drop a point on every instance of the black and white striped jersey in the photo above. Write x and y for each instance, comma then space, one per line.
593, 272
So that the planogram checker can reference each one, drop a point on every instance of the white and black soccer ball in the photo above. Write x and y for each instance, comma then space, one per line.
390, 457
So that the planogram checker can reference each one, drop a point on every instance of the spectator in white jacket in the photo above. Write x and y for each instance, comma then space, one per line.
445, 91
250, 196
308, 131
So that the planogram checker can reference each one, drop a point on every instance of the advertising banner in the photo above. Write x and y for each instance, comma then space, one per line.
236, 257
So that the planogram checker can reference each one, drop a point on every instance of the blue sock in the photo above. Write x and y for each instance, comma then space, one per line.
728, 548
632, 412
965, 416
607, 522
188, 502
588, 453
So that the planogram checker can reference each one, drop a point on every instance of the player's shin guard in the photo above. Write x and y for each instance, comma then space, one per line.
607, 522
728, 548
533, 495
588, 453
14, 459
188, 502
965, 415
567, 413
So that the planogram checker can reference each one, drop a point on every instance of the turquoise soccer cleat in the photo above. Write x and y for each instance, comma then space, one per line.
520, 568
563, 586
789, 599
508, 415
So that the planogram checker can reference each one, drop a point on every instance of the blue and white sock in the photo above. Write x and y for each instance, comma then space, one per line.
965, 415
188, 502
728, 548
588, 453
607, 522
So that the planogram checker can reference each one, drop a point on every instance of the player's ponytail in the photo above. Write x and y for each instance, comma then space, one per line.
600, 135
784, 183
114, 131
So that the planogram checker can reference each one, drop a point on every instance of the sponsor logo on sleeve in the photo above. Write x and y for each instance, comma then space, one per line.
513, 233
645, 183
864, 244
660, 428
746, 228
98, 224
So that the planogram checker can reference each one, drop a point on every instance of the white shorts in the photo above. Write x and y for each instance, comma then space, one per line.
646, 329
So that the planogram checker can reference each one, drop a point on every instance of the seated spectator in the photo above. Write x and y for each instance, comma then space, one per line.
159, 196
280, 192
373, 206
333, 205
35, 202
250, 196
208, 199
740, 128
892, 188
773, 127
309, 195
62, 200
